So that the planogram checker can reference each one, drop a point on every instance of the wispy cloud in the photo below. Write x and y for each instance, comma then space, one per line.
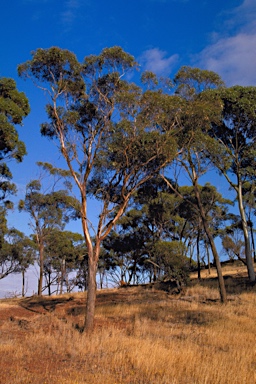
70, 12
232, 53
155, 60
233, 58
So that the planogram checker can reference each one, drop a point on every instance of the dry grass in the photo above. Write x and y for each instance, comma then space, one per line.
141, 337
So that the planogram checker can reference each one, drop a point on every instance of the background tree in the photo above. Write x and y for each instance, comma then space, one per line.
14, 107
47, 211
153, 219
198, 111
62, 250
170, 258
109, 136
9, 262
233, 150
249, 194
22, 250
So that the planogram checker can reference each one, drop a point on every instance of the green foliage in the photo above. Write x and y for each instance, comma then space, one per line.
171, 260
192, 81
48, 210
63, 245
17, 251
234, 134
13, 108
56, 66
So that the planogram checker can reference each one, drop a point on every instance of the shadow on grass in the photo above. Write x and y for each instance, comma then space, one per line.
49, 304
234, 284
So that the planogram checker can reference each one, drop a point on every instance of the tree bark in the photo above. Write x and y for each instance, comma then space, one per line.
222, 288
253, 244
23, 282
62, 275
91, 291
41, 268
248, 252
198, 255
208, 259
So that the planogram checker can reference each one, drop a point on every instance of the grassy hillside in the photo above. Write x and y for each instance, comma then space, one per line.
141, 336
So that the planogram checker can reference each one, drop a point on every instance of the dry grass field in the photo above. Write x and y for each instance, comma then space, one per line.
142, 336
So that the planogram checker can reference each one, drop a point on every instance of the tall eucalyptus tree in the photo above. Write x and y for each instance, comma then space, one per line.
110, 132
197, 113
233, 150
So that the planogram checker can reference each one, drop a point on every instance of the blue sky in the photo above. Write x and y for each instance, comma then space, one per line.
163, 35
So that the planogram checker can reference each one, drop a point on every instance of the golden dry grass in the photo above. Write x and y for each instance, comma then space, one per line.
140, 337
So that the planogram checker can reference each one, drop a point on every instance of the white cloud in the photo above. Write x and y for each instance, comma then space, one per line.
232, 54
245, 15
154, 60
233, 58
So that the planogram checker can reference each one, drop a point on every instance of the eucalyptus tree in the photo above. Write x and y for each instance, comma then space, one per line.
153, 217
22, 250
17, 252
199, 110
47, 211
126, 248
109, 135
62, 251
14, 107
9, 263
249, 195
233, 150
215, 208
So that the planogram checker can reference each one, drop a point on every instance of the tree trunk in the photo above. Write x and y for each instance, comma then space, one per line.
49, 283
208, 259
62, 275
23, 282
91, 294
198, 255
222, 288
41, 268
253, 244
248, 253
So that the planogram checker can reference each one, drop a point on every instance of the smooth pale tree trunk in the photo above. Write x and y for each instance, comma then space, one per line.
222, 288
208, 259
41, 268
62, 275
248, 252
93, 258
91, 290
